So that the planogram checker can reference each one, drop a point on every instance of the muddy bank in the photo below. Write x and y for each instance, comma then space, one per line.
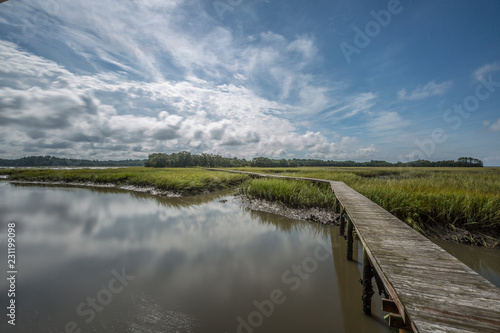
329, 217
318, 215
463, 236
142, 189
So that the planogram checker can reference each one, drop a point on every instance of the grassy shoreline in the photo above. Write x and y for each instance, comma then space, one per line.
428, 199
425, 198
296, 194
182, 181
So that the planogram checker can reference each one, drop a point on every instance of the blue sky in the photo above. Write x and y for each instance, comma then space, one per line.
342, 80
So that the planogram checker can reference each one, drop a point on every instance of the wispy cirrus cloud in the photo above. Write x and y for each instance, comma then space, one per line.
430, 89
351, 106
483, 71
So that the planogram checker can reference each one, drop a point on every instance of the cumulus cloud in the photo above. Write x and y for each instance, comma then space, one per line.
47, 109
430, 89
385, 122
132, 78
345, 152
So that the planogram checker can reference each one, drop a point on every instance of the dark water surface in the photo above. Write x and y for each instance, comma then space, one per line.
189, 265
108, 261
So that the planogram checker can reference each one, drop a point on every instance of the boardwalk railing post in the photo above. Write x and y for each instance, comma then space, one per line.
367, 284
350, 239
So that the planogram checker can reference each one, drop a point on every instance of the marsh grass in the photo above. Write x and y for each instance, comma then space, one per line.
297, 194
187, 181
423, 197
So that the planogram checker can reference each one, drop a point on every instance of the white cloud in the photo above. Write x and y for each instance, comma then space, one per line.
353, 105
492, 160
481, 72
495, 127
170, 40
385, 122
167, 77
341, 153
50, 110
430, 89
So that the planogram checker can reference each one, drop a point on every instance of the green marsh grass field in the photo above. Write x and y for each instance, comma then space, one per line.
425, 198
186, 181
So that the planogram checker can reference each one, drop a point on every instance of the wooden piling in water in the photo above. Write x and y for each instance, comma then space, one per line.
350, 239
342, 222
367, 284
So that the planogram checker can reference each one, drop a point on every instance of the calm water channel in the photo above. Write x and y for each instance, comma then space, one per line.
108, 261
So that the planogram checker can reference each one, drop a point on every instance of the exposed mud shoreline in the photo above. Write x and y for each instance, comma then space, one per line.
319, 215
329, 217
142, 189
462, 236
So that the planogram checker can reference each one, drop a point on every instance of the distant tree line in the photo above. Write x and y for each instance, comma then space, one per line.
42, 161
462, 162
186, 159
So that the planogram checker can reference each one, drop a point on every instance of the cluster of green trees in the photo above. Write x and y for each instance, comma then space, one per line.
186, 159
462, 162
41, 161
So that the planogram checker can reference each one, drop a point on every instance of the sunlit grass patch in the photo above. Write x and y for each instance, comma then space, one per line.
423, 197
186, 181
299, 194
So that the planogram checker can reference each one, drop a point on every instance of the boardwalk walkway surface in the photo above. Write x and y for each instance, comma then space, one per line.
433, 291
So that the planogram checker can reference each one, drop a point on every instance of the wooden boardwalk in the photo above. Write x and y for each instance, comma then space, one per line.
430, 290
